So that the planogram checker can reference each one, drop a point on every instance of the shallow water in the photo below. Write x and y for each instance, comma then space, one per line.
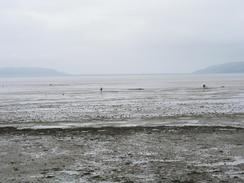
126, 100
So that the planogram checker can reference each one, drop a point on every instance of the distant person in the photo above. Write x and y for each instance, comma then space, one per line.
204, 86
101, 90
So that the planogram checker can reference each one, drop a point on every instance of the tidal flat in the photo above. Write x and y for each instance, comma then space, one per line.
139, 128
153, 154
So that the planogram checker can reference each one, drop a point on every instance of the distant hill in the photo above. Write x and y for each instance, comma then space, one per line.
29, 72
234, 67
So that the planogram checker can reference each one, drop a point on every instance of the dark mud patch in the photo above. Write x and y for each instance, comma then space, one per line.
116, 130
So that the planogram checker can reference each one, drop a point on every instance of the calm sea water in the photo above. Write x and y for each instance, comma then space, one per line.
126, 100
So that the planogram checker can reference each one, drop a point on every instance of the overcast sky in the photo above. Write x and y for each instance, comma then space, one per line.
121, 36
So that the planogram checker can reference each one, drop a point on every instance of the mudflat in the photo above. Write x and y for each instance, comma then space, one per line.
184, 154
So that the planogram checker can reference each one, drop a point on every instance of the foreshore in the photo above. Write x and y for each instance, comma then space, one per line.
130, 154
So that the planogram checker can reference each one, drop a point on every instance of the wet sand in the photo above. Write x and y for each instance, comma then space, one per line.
158, 154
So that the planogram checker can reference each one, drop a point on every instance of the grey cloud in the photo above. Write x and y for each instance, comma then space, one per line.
121, 36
